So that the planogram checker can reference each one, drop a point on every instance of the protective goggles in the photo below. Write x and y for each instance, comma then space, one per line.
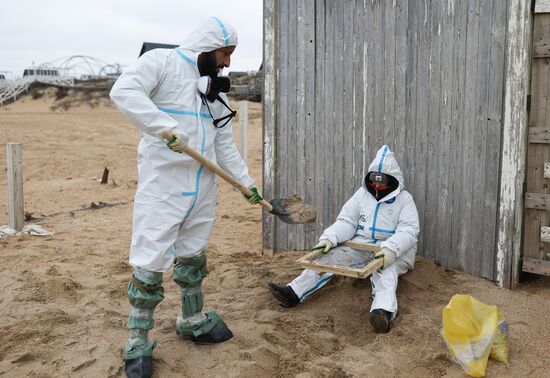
378, 177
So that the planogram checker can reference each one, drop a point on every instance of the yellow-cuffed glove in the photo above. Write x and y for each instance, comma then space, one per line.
255, 197
323, 244
388, 255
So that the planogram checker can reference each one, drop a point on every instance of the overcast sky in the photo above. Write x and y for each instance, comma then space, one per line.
113, 30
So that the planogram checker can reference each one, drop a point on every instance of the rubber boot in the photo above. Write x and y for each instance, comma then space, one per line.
285, 295
139, 367
212, 331
380, 320
145, 292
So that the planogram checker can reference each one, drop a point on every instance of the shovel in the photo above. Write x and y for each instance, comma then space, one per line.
291, 210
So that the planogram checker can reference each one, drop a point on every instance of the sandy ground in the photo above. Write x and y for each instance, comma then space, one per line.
63, 298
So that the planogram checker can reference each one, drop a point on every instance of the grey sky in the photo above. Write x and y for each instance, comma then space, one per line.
113, 30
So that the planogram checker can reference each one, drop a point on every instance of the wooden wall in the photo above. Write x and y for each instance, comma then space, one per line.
536, 247
425, 77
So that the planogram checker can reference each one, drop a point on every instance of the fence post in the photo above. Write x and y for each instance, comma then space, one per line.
244, 130
16, 215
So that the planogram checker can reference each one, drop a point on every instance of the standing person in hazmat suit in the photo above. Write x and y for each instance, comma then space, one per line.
380, 212
177, 90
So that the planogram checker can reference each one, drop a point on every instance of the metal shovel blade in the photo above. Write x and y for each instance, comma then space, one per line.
293, 210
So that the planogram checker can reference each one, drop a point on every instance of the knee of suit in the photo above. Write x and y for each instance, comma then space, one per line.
145, 289
189, 271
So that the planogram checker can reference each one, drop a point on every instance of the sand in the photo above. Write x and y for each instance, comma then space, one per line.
63, 298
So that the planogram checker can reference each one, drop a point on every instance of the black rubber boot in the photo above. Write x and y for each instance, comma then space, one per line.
213, 331
380, 320
285, 295
139, 367
218, 334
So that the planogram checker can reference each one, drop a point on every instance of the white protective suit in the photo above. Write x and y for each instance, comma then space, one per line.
392, 222
175, 200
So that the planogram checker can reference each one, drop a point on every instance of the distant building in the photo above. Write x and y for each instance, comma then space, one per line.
147, 46
237, 74
40, 72
2, 77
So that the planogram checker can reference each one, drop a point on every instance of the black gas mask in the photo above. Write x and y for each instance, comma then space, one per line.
210, 89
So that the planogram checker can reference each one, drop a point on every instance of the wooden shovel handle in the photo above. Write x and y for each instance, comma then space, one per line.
210, 165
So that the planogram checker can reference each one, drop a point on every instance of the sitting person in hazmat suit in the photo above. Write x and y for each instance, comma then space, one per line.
380, 212
177, 90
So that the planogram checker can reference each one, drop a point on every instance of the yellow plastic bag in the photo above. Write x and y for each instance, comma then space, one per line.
499, 351
470, 329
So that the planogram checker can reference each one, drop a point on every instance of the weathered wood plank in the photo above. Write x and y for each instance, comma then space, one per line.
329, 208
539, 201
422, 109
269, 119
410, 100
481, 263
541, 36
300, 143
539, 135
541, 48
537, 266
309, 144
457, 137
377, 39
320, 122
349, 180
546, 170
388, 69
400, 68
338, 169
512, 170
539, 69
545, 234
283, 120
16, 212
444, 184
369, 80
468, 158
292, 106
542, 6
358, 97
434, 27
493, 135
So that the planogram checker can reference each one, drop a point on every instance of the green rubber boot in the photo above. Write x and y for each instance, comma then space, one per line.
145, 292
192, 323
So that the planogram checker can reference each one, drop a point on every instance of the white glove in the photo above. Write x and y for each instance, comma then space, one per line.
388, 255
323, 244
180, 141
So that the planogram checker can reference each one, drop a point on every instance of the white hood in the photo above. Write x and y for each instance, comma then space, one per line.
385, 162
211, 35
